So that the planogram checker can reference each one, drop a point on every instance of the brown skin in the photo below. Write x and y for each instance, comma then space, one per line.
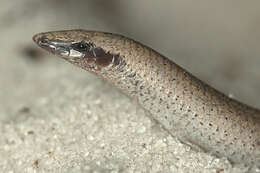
184, 105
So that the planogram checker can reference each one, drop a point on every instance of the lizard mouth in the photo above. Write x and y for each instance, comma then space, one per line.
56, 47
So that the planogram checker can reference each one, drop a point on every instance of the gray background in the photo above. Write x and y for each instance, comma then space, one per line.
55, 117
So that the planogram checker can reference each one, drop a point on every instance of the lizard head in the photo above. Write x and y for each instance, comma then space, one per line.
88, 49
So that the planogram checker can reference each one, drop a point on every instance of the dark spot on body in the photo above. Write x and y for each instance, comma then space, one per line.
226, 118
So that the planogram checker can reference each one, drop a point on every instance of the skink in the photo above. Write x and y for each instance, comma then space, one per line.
188, 108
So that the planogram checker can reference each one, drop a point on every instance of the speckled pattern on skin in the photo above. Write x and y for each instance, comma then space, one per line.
185, 106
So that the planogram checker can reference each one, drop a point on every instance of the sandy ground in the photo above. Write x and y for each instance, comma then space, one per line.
55, 117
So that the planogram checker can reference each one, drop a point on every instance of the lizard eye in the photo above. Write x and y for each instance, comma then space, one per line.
81, 46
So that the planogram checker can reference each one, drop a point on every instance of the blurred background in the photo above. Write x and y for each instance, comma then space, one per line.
217, 41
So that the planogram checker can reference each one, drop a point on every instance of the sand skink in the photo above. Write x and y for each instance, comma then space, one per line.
186, 107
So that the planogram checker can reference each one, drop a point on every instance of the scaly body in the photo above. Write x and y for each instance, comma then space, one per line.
184, 105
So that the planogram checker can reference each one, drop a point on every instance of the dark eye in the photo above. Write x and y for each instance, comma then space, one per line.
81, 46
